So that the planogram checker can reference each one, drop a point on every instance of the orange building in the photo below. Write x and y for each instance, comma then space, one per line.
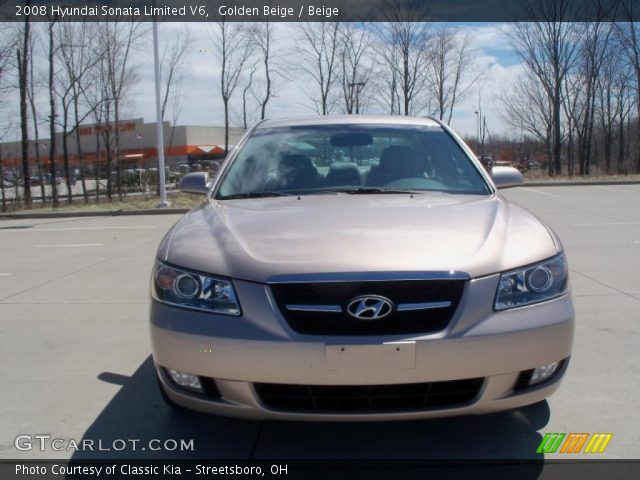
184, 145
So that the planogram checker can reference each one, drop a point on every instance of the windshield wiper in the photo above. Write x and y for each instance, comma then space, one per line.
368, 190
255, 195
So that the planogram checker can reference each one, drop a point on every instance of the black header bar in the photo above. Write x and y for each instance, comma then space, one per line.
320, 10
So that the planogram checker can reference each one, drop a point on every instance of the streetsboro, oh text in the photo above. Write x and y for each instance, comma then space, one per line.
146, 470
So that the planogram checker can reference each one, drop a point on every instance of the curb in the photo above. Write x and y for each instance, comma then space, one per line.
579, 184
106, 213
180, 211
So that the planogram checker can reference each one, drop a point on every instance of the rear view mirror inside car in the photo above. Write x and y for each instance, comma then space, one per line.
352, 139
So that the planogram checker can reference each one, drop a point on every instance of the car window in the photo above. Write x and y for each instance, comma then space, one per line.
313, 159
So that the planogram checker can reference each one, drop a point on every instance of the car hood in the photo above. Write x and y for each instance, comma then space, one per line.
259, 239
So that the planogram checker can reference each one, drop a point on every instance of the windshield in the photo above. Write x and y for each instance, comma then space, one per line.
351, 159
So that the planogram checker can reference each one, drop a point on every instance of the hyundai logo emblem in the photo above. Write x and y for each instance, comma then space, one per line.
370, 307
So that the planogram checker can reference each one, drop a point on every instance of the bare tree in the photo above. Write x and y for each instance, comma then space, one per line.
356, 64
593, 50
92, 96
86, 66
451, 70
23, 59
607, 106
263, 36
117, 75
406, 36
76, 63
52, 110
384, 79
613, 104
528, 109
245, 91
31, 93
623, 87
318, 51
629, 34
547, 45
172, 74
172, 67
233, 47
572, 105
7, 44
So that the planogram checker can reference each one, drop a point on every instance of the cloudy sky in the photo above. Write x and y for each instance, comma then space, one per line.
201, 104
200, 98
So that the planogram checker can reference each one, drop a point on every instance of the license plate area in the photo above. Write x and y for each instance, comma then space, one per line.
383, 357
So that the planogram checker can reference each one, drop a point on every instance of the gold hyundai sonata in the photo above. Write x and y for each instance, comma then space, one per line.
358, 268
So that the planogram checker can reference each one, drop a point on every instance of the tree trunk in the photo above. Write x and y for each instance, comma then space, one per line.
570, 155
98, 166
23, 61
109, 165
226, 125
116, 119
4, 198
557, 138
620, 160
406, 86
263, 106
607, 151
34, 119
52, 124
65, 159
85, 194
638, 147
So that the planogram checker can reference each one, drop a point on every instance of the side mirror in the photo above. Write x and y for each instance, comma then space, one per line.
196, 183
506, 177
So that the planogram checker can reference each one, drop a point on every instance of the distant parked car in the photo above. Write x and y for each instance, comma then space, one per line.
487, 162
46, 178
534, 164
523, 165
8, 182
184, 169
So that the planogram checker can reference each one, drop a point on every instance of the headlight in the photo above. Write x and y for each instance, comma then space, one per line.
183, 288
532, 284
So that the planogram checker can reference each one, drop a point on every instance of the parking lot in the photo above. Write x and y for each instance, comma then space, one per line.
76, 362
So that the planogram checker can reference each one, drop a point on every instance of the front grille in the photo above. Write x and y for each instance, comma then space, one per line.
368, 398
340, 294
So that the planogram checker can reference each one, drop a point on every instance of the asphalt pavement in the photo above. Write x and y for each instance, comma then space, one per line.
76, 363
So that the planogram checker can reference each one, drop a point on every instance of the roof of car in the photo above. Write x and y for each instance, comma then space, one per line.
348, 119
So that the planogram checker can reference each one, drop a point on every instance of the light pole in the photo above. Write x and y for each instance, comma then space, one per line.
159, 131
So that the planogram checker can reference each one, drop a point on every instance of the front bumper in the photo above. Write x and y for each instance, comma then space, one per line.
260, 347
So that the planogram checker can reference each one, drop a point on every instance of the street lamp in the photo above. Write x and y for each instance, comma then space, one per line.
358, 86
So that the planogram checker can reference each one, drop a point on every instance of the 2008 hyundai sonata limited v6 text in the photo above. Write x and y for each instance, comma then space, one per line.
358, 268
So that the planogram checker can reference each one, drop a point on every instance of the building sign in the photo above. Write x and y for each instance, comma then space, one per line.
95, 129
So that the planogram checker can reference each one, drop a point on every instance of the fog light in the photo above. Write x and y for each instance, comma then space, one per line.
185, 380
543, 373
